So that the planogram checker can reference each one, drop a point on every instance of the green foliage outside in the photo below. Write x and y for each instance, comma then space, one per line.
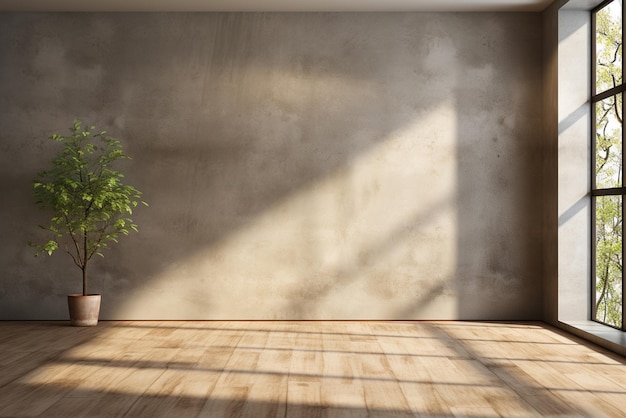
609, 169
90, 204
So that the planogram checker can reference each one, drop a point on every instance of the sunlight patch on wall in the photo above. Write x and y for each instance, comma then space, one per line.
374, 239
574, 204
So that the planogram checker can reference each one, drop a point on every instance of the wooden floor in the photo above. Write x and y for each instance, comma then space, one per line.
304, 369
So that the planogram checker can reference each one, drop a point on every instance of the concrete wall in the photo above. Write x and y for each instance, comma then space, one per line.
566, 227
550, 162
297, 166
574, 203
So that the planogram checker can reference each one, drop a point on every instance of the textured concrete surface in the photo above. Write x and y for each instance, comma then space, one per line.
574, 204
276, 6
550, 241
297, 166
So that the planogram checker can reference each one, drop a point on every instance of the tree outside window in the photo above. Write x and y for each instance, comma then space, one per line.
607, 183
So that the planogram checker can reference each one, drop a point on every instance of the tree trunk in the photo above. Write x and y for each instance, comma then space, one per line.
84, 280
85, 263
605, 285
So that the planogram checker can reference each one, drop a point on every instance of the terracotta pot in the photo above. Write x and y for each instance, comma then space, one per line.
84, 310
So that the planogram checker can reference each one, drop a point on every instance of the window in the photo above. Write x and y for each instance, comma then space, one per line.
607, 183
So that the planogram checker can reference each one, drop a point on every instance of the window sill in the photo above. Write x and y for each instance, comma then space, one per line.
607, 337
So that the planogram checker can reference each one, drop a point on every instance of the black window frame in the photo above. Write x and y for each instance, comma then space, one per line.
614, 191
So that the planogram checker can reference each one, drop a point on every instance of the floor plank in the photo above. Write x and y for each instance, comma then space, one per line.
320, 369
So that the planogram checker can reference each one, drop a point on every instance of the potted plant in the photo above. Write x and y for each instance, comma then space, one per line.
90, 206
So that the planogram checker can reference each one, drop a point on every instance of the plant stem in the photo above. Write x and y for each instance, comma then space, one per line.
85, 263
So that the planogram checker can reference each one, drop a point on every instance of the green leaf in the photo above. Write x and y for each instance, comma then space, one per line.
84, 194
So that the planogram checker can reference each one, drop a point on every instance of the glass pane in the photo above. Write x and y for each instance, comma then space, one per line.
609, 142
609, 46
609, 260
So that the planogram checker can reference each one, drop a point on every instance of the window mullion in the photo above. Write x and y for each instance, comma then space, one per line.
622, 207
593, 233
592, 165
622, 171
605, 94
615, 191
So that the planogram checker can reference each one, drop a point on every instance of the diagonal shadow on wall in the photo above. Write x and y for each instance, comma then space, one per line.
277, 149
